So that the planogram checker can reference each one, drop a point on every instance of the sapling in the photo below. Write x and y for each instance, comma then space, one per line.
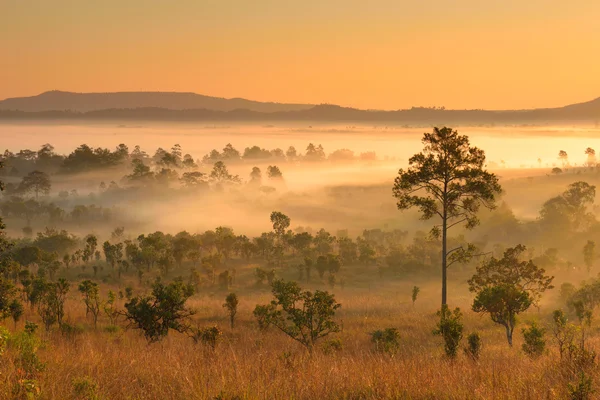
231, 303
535, 344
450, 328
415, 293
473, 349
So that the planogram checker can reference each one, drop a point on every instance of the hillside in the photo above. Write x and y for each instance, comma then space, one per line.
84, 102
194, 107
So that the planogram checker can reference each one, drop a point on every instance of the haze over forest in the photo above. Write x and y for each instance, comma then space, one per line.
299, 200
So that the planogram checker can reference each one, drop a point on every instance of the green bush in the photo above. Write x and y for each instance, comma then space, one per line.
582, 390
332, 346
473, 349
386, 340
85, 388
535, 344
4, 338
208, 336
450, 328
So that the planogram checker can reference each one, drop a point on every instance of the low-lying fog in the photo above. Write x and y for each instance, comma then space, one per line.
517, 146
347, 195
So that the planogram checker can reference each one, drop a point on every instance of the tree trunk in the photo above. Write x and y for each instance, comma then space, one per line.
509, 333
444, 257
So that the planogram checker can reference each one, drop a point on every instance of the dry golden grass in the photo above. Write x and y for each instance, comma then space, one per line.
254, 365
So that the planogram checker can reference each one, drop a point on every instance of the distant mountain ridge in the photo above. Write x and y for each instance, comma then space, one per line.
179, 107
84, 102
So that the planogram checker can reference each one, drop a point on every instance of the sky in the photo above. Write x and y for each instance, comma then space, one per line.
376, 54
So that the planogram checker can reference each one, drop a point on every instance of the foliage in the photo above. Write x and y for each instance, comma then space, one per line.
589, 255
415, 293
208, 336
231, 303
564, 334
503, 303
582, 389
447, 180
386, 340
332, 346
508, 286
27, 344
512, 271
302, 315
450, 328
164, 309
534, 342
85, 388
4, 337
473, 349
36, 182
52, 302
8, 293
568, 212
91, 298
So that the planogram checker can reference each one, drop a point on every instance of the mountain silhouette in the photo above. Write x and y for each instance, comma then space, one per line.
83, 102
194, 107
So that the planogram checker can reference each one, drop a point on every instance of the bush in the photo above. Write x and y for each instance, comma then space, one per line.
415, 293
332, 346
582, 390
231, 304
302, 315
566, 291
450, 328
27, 344
112, 328
473, 349
207, 336
535, 344
85, 388
71, 330
387, 340
4, 337
163, 310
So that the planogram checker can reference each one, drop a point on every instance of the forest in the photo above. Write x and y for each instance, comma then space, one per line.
126, 274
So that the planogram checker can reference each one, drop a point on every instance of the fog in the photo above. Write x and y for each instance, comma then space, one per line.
351, 195
518, 146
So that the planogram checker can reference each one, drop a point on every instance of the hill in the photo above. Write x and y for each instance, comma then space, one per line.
84, 102
180, 107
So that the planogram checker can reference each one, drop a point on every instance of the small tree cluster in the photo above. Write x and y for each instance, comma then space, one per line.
302, 315
164, 309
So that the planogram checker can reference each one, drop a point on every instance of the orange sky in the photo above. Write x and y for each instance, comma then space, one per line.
370, 54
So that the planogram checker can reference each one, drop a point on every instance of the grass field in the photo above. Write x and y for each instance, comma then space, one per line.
250, 364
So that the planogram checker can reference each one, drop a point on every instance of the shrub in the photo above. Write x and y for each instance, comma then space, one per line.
564, 334
165, 309
302, 315
387, 340
332, 346
71, 330
535, 344
27, 344
567, 289
112, 328
4, 337
582, 390
473, 349
231, 303
450, 328
415, 293
85, 388
207, 336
